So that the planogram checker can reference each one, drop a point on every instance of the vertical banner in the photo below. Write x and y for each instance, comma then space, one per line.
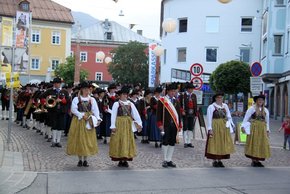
152, 65
7, 31
22, 40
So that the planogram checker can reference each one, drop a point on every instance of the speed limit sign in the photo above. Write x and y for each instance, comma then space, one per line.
196, 69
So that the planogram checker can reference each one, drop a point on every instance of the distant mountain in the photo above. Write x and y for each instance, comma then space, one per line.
84, 19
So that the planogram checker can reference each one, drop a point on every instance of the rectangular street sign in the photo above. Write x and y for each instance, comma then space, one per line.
256, 84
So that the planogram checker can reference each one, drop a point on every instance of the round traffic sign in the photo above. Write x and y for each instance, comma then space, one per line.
197, 82
256, 69
196, 69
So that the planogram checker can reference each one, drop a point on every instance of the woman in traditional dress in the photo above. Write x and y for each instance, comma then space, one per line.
155, 133
145, 112
256, 126
122, 142
219, 142
82, 140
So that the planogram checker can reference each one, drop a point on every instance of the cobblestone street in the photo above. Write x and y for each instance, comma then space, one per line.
38, 156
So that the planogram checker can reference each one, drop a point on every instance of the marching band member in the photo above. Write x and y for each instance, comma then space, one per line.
99, 95
169, 122
122, 143
82, 139
219, 141
145, 111
155, 134
5, 100
256, 126
108, 102
134, 98
56, 100
188, 103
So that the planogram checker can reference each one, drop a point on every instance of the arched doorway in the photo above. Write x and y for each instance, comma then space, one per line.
285, 100
278, 102
271, 105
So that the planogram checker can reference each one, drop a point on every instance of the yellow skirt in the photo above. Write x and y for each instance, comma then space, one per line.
257, 145
81, 142
122, 142
220, 145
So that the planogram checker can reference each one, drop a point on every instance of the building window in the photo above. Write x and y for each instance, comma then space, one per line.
55, 39
35, 64
99, 76
288, 39
180, 74
211, 54
212, 24
72, 54
109, 36
164, 56
84, 56
265, 23
245, 55
54, 64
35, 36
279, 2
183, 25
278, 44
246, 24
181, 55
98, 60
265, 47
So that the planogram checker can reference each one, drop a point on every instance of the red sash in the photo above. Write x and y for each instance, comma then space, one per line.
171, 109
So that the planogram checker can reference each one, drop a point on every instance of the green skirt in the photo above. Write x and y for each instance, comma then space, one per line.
257, 144
122, 142
81, 142
220, 145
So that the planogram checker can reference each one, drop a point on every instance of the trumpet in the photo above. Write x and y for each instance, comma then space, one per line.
50, 102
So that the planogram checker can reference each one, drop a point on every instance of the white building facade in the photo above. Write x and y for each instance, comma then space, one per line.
275, 56
210, 33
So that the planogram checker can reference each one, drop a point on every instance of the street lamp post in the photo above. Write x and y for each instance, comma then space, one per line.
77, 58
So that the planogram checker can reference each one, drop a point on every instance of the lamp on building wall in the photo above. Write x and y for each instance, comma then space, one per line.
158, 51
169, 25
100, 55
108, 60
224, 1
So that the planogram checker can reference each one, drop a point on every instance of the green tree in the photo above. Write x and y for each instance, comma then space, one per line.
66, 71
231, 77
130, 64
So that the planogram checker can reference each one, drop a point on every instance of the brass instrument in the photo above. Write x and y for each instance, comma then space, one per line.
50, 101
30, 102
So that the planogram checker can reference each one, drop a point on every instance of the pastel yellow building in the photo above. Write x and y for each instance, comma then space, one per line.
49, 36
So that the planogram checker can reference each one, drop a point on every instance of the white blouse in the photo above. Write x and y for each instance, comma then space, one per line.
95, 108
246, 122
134, 113
211, 108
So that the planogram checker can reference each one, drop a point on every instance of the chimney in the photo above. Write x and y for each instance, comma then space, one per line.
140, 32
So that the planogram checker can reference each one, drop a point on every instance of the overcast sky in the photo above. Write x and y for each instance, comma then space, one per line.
144, 13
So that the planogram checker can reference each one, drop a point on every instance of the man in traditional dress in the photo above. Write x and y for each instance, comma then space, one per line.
169, 122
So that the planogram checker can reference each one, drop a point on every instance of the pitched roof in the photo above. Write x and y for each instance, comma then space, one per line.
46, 10
120, 34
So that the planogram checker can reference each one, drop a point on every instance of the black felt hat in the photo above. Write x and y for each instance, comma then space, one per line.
216, 95
84, 85
158, 90
56, 80
124, 90
259, 96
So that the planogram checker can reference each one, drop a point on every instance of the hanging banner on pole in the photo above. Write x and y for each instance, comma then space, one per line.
15, 80
7, 31
152, 65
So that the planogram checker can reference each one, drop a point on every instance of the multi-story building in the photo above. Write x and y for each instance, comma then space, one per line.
102, 36
50, 35
210, 33
275, 56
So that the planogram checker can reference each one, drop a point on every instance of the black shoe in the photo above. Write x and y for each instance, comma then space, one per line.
2, 119
37, 131
120, 164
160, 145
220, 164
80, 164
156, 145
53, 145
147, 141
25, 126
58, 145
215, 164
125, 164
46, 137
171, 164
99, 137
85, 164
164, 164
34, 128
135, 136
254, 164
41, 133
190, 145
185, 145
105, 141
49, 139
259, 164
7, 119
142, 141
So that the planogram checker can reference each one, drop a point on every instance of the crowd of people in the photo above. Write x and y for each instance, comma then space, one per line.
121, 114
